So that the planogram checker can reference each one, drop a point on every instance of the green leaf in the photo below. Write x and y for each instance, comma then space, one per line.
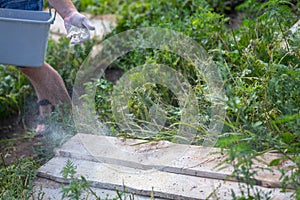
257, 124
275, 162
288, 137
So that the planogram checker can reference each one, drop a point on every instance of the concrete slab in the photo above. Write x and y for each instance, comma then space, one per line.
147, 182
163, 156
51, 190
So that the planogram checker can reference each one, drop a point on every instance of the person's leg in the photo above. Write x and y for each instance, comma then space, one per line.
47, 83
48, 86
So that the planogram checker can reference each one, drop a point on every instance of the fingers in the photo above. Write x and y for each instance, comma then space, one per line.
78, 27
87, 24
77, 39
68, 27
69, 31
78, 35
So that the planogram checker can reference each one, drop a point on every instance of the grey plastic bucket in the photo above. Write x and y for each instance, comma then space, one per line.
24, 36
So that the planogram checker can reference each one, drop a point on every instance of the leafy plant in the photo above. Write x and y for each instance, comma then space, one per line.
17, 179
76, 186
13, 89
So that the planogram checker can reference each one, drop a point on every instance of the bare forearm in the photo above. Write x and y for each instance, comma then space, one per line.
72, 18
63, 7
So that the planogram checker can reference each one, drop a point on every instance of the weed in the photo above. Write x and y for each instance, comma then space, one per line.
17, 179
13, 89
76, 187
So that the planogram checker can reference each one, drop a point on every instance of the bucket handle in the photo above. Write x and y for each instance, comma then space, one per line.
50, 12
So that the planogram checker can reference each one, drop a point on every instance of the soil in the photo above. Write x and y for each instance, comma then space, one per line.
16, 138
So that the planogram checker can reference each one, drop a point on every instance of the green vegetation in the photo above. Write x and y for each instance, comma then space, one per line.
17, 179
261, 78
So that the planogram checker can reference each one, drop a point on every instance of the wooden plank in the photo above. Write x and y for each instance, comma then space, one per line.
164, 156
144, 182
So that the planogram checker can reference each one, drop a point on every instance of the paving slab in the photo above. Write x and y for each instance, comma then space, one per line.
164, 156
51, 190
148, 182
163, 169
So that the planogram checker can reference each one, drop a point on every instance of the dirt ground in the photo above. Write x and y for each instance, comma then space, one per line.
16, 138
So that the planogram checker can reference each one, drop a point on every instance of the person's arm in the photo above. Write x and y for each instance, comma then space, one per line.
72, 17
65, 8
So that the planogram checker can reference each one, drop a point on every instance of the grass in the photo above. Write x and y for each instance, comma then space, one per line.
17, 179
261, 79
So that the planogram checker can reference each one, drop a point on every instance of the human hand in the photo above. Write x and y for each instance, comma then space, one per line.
78, 28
